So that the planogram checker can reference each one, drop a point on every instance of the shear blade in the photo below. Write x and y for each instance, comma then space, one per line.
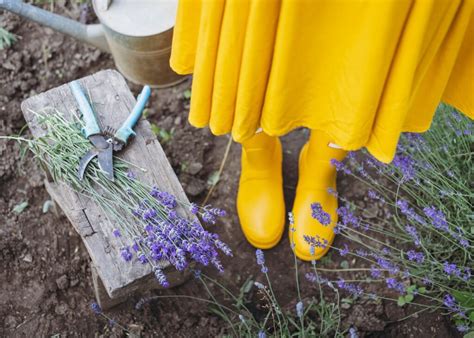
106, 164
84, 161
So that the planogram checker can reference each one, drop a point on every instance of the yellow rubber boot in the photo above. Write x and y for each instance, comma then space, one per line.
316, 175
260, 202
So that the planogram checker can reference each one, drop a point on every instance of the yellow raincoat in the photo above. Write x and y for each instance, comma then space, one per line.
361, 71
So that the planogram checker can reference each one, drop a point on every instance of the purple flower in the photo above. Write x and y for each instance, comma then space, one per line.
131, 175
467, 274
316, 241
406, 165
338, 228
361, 170
340, 166
408, 211
165, 198
464, 242
437, 217
149, 214
299, 309
387, 265
217, 264
374, 163
451, 269
193, 208
261, 334
362, 253
197, 273
375, 272
373, 195
354, 289
261, 260
415, 256
260, 257
169, 236
223, 247
344, 251
135, 246
172, 214
96, 308
208, 217
426, 281
392, 283
411, 230
462, 328
313, 278
319, 214
218, 212
450, 302
160, 276
142, 258
347, 217
126, 254
116, 233
333, 192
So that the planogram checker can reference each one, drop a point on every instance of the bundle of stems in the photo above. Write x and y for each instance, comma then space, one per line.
149, 223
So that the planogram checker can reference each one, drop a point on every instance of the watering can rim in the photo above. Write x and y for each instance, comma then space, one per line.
118, 19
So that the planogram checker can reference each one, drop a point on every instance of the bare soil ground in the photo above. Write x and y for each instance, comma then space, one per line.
44, 267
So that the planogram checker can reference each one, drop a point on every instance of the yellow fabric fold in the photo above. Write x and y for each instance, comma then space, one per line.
361, 71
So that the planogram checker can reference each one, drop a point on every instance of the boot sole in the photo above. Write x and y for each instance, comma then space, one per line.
265, 245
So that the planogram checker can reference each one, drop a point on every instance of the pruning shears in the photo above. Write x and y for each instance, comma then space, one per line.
105, 143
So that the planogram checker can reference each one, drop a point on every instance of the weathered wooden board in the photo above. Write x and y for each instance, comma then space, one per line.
112, 102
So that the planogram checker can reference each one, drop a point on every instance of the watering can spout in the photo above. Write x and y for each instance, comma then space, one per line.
92, 34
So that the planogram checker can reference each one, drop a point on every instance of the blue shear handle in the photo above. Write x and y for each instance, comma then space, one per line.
88, 115
126, 129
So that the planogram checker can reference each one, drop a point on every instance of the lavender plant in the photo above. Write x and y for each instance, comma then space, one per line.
314, 317
422, 246
149, 223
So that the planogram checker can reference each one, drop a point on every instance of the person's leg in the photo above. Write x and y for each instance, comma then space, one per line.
316, 175
260, 203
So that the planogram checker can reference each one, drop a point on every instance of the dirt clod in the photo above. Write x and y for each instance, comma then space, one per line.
62, 282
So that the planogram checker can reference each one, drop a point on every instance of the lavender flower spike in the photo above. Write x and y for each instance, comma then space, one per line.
116, 233
340, 166
161, 277
260, 257
319, 214
261, 260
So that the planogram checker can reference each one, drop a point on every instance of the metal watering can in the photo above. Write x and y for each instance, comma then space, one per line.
138, 33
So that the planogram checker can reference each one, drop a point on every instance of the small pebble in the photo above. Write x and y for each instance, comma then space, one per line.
28, 258
62, 282
194, 168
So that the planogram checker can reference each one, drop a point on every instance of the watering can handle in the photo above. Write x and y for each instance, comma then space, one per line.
91, 127
126, 130
92, 34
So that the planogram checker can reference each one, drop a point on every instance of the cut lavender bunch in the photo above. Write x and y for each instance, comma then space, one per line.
150, 224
